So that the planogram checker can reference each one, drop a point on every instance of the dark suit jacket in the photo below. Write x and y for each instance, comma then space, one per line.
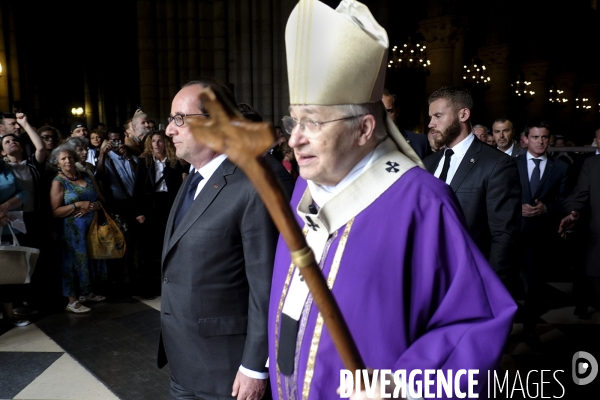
551, 191
585, 199
144, 185
518, 151
487, 186
418, 142
217, 266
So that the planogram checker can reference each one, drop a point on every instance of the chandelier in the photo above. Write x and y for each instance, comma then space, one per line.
582, 103
474, 73
556, 95
409, 56
520, 88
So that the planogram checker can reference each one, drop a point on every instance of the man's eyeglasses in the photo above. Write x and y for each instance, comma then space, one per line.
178, 118
289, 123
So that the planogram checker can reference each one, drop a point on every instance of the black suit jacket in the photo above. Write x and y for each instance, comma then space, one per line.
144, 185
418, 142
552, 191
217, 266
487, 186
585, 199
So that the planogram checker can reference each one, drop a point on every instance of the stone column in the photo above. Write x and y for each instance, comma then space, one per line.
441, 34
536, 73
497, 97
147, 53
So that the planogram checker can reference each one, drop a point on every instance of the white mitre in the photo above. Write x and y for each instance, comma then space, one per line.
338, 57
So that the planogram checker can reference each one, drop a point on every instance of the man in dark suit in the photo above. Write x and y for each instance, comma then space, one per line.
217, 265
485, 180
544, 181
583, 204
504, 133
417, 141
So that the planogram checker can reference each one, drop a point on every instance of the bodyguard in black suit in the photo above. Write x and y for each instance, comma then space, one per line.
217, 266
504, 133
583, 208
544, 180
485, 180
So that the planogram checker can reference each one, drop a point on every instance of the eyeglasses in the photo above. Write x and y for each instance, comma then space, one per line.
289, 123
178, 118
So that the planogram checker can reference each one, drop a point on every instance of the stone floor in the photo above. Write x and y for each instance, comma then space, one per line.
110, 353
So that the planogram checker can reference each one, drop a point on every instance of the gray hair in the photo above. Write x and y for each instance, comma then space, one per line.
375, 109
77, 141
65, 147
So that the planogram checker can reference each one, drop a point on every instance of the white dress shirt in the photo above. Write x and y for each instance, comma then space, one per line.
159, 167
460, 149
206, 171
510, 150
531, 164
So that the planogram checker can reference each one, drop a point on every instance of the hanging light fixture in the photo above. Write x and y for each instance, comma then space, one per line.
582, 103
521, 88
556, 95
409, 56
475, 73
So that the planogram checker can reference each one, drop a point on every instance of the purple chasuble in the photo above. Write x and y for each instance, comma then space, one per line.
414, 289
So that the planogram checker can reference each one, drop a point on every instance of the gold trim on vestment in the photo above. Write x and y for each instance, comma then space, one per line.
286, 286
314, 344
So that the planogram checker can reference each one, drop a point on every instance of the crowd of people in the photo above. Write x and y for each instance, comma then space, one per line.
55, 183
404, 226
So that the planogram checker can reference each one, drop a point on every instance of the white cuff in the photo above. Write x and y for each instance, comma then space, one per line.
253, 374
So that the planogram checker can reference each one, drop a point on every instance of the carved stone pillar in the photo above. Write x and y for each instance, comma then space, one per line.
441, 35
147, 53
536, 73
10, 89
497, 97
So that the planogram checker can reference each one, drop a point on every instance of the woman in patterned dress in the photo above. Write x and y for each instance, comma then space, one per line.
73, 197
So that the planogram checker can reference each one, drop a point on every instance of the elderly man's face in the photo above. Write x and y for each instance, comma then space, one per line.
140, 126
326, 154
480, 133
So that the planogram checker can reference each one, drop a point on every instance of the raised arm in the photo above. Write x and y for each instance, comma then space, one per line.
40, 148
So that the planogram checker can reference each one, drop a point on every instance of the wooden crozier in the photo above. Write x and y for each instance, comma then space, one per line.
245, 144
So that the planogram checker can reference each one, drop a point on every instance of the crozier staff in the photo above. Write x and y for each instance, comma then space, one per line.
415, 291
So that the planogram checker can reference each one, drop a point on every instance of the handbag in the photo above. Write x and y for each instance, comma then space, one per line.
17, 262
104, 238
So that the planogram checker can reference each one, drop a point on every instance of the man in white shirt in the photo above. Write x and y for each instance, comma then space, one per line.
544, 180
485, 181
504, 133
217, 264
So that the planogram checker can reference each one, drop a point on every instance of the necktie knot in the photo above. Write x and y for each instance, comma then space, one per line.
537, 161
449, 152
